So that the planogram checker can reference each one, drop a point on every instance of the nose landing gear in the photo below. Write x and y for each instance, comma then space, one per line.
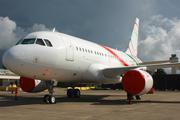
50, 98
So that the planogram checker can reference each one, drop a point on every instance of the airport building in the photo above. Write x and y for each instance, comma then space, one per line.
7, 78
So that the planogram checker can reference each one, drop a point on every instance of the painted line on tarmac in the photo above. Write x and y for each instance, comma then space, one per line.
72, 109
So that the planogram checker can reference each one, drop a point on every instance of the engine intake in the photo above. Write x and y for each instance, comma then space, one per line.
32, 85
137, 82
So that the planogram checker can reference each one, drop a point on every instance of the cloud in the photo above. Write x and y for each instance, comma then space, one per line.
10, 33
162, 38
7, 34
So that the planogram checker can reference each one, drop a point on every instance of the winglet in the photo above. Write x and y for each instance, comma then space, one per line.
133, 44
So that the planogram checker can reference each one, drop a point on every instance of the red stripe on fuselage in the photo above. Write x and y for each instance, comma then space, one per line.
125, 64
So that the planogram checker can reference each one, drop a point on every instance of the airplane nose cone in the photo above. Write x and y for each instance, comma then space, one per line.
13, 58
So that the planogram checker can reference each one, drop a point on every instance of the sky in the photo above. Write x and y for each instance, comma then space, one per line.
106, 22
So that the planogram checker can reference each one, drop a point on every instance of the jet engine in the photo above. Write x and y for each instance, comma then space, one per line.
32, 85
137, 82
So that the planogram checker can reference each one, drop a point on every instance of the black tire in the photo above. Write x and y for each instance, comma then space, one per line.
70, 93
138, 97
52, 99
46, 98
77, 93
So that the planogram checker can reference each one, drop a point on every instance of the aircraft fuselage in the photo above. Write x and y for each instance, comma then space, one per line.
68, 59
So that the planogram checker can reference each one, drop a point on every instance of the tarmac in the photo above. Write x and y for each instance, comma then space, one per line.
93, 105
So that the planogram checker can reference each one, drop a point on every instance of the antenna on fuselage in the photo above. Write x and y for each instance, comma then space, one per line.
54, 29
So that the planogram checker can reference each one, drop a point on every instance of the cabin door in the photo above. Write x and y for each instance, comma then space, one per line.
69, 48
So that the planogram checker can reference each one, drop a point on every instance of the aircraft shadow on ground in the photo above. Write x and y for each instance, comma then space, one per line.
8, 100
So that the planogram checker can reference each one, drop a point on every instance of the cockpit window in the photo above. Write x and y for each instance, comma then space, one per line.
40, 42
48, 43
19, 42
28, 41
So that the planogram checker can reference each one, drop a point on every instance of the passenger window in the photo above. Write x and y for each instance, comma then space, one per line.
40, 42
83, 49
28, 41
80, 49
86, 50
95, 52
91, 51
77, 48
48, 43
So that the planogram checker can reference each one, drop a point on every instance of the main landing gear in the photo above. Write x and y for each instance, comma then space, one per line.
138, 97
73, 93
50, 98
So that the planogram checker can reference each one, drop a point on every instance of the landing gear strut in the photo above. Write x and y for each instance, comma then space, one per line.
50, 98
131, 96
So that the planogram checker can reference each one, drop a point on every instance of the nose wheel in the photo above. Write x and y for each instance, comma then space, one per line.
50, 98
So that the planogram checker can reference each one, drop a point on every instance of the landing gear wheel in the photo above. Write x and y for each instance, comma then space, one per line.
70, 93
77, 93
52, 99
46, 98
138, 97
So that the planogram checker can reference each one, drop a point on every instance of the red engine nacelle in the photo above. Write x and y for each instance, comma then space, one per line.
32, 85
137, 82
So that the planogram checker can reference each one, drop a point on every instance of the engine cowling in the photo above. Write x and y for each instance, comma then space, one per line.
32, 85
137, 82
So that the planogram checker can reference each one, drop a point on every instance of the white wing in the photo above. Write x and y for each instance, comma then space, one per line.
115, 71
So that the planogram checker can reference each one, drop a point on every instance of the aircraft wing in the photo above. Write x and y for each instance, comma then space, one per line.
158, 62
112, 72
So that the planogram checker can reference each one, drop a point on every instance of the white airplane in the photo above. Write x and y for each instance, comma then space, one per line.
44, 58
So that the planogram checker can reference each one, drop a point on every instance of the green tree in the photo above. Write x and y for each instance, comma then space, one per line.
160, 72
